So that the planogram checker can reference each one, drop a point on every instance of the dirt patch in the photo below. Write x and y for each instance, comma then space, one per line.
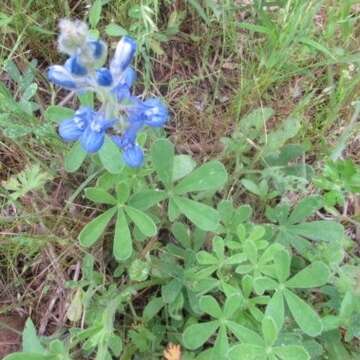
10, 334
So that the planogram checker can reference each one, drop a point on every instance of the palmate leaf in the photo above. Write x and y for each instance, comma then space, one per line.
183, 165
162, 154
144, 222
94, 229
300, 234
196, 335
203, 216
99, 196
314, 275
122, 245
304, 315
110, 157
210, 176
275, 309
291, 352
30, 340
210, 306
74, 158
146, 199
247, 352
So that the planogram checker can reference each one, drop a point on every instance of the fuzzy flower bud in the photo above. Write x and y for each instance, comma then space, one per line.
73, 34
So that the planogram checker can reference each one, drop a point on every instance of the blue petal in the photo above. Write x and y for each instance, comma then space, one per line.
91, 141
122, 92
124, 54
156, 113
129, 76
98, 48
136, 110
69, 130
133, 156
104, 77
60, 76
131, 133
75, 67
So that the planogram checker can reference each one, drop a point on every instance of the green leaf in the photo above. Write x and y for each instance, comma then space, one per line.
30, 341
210, 306
221, 345
262, 284
196, 335
305, 208
183, 165
173, 210
56, 113
314, 275
99, 196
210, 176
269, 330
232, 304
162, 154
203, 216
247, 352
205, 258
251, 186
28, 356
139, 270
115, 344
322, 230
244, 334
304, 315
122, 192
275, 309
75, 309
93, 230
115, 30
291, 352
250, 251
282, 265
146, 199
95, 13
74, 158
171, 290
276, 139
252, 125
144, 222
122, 246
152, 308
111, 157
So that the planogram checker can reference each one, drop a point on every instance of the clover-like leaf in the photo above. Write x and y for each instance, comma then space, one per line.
210, 176
162, 154
196, 335
204, 216
142, 221
314, 275
122, 245
93, 230
304, 315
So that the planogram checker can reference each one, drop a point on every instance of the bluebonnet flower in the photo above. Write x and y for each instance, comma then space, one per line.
132, 153
83, 71
88, 127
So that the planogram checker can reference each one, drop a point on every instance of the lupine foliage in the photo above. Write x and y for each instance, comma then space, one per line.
267, 278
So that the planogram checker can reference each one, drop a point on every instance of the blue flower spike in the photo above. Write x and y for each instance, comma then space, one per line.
121, 111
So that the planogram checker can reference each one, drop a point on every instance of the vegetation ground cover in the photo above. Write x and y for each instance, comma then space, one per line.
248, 248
